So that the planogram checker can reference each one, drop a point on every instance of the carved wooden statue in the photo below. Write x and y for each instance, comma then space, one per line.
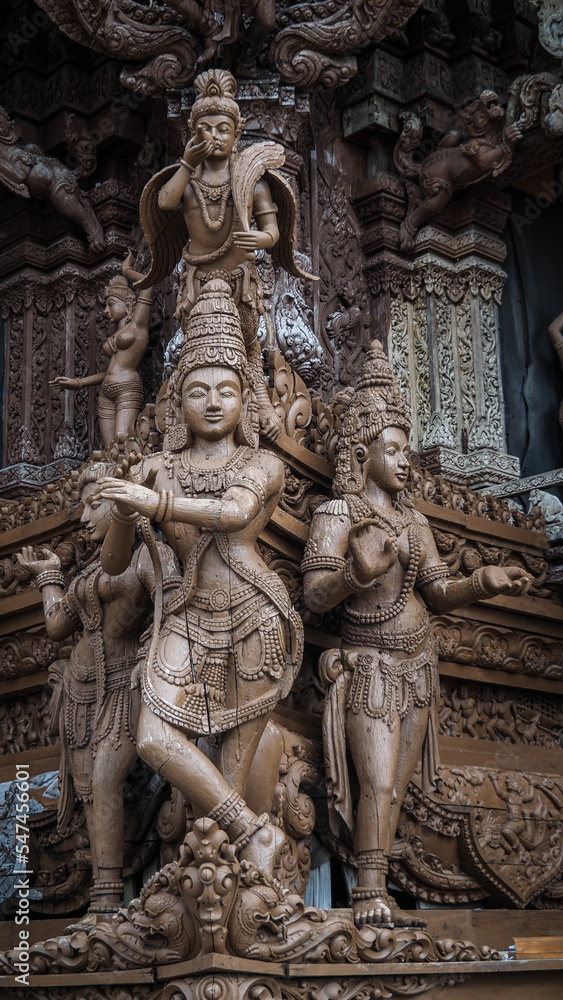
556, 337
202, 208
96, 707
370, 550
229, 643
484, 148
28, 171
121, 395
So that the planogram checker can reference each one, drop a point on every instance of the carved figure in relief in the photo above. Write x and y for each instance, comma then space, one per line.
28, 171
201, 210
121, 395
229, 643
94, 703
370, 550
515, 795
556, 336
483, 147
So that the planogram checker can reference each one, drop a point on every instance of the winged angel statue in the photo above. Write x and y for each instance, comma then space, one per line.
201, 209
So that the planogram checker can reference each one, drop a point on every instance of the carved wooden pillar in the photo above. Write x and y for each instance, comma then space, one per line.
440, 305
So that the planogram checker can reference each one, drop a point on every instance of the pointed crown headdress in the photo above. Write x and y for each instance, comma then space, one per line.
213, 336
377, 403
119, 288
215, 91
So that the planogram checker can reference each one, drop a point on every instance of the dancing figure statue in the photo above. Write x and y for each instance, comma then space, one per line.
28, 171
227, 644
93, 703
121, 395
482, 148
201, 210
370, 550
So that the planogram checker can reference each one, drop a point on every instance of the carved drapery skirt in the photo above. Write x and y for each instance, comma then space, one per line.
211, 656
383, 684
84, 722
115, 396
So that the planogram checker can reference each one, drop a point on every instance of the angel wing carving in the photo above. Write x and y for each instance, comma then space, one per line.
166, 232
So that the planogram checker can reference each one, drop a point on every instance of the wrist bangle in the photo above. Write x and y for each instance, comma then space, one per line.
165, 508
351, 580
477, 587
116, 515
50, 576
183, 163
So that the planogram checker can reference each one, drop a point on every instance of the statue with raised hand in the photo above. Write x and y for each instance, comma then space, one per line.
372, 552
226, 646
95, 703
201, 210
121, 395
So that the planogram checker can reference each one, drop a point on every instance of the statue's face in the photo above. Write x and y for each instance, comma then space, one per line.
97, 511
212, 401
387, 460
221, 131
115, 308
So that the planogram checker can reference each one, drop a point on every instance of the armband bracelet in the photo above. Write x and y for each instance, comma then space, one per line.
116, 515
477, 587
350, 578
184, 163
50, 576
165, 508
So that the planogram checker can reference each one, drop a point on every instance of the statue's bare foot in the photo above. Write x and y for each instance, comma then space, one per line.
403, 919
406, 238
97, 243
262, 846
372, 906
88, 921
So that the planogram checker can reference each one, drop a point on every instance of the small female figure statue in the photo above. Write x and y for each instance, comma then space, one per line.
121, 395
229, 643
96, 706
370, 550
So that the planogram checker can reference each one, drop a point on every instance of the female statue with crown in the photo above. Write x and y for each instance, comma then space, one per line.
370, 550
121, 394
229, 643
201, 210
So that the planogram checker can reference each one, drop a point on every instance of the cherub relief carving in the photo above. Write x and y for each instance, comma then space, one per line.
482, 147
370, 550
28, 171
121, 394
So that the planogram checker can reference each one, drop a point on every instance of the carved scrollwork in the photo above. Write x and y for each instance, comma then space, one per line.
315, 43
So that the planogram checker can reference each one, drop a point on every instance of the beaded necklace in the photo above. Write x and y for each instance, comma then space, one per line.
393, 522
216, 480
215, 192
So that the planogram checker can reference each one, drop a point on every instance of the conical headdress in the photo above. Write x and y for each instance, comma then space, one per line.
215, 91
213, 335
377, 403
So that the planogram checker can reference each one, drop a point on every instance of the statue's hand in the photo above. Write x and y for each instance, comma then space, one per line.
62, 382
509, 580
130, 497
254, 240
48, 560
198, 148
370, 558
